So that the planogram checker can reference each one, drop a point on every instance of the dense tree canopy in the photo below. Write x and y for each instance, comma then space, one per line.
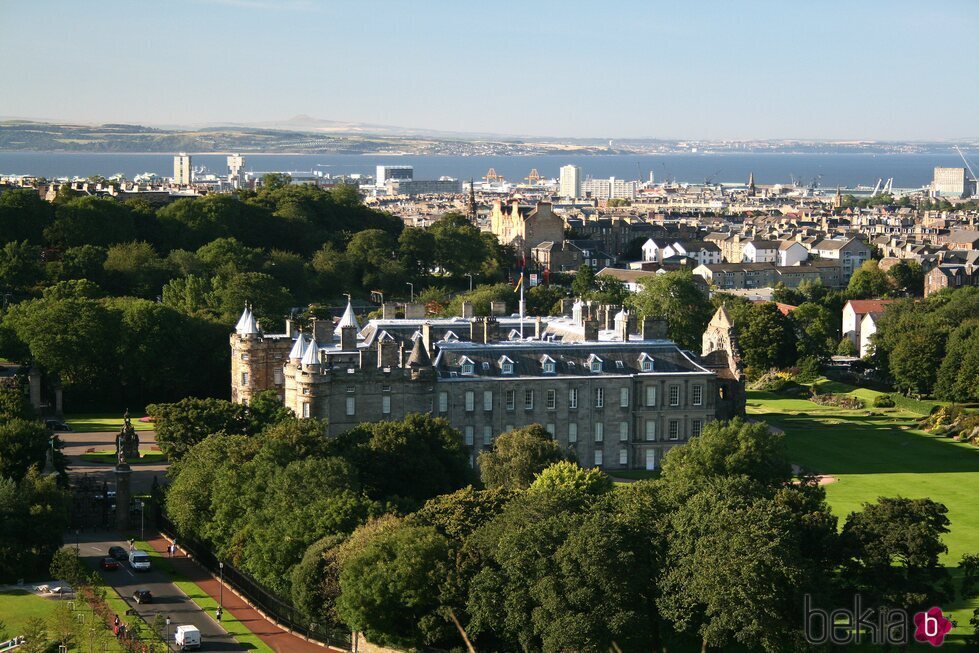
681, 299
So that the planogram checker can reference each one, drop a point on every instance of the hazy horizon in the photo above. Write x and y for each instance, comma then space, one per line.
876, 71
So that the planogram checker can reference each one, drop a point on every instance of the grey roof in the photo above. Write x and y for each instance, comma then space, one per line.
298, 349
348, 319
419, 355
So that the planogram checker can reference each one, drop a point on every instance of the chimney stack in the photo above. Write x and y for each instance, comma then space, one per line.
322, 330
389, 310
348, 338
427, 337
467, 309
414, 311
290, 328
653, 328
497, 308
591, 331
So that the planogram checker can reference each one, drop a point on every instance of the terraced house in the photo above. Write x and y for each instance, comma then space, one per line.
617, 394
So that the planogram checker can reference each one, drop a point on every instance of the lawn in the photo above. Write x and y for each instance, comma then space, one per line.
109, 457
18, 606
235, 628
103, 422
878, 452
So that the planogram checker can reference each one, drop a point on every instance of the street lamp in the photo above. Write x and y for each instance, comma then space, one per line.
167, 642
142, 523
412, 286
470, 275
221, 599
77, 548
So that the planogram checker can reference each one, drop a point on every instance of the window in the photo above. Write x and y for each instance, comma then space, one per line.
443, 402
572, 432
244, 357
596, 364
351, 406
623, 456
599, 397
487, 400
510, 399
547, 363
550, 429
674, 429
598, 457
650, 395
528, 399
305, 391
470, 401
674, 395
244, 378
573, 398
647, 365
551, 399
508, 428
508, 368
623, 431
619, 365
650, 430
306, 409
487, 436
469, 435
696, 427
599, 432
468, 368
277, 376
386, 405
624, 397
698, 395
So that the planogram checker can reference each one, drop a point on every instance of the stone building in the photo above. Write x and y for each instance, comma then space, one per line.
617, 395
525, 227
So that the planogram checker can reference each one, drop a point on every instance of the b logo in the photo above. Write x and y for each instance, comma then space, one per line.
931, 626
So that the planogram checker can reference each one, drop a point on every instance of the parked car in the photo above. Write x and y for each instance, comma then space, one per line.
118, 553
56, 425
110, 564
187, 638
143, 596
139, 560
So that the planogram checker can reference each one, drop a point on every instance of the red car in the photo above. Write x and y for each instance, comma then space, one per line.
109, 564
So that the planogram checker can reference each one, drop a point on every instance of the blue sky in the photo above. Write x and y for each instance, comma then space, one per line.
860, 69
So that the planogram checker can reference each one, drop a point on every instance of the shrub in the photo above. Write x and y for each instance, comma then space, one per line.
809, 370
883, 401
840, 401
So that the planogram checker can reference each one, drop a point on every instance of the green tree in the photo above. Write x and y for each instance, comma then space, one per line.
389, 588
14, 404
181, 425
958, 376
73, 289
82, 262
273, 181
316, 580
768, 338
567, 476
23, 216
681, 300
91, 221
34, 513
35, 636
609, 290
517, 457
869, 282
459, 246
270, 301
908, 277
541, 300
817, 330
68, 567
416, 250
20, 266
583, 282
893, 548
23, 444
135, 269
914, 360
229, 255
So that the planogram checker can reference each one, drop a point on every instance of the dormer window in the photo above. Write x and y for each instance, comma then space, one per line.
468, 368
594, 363
450, 336
548, 364
506, 365
646, 363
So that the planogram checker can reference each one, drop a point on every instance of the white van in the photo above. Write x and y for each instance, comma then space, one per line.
139, 560
187, 638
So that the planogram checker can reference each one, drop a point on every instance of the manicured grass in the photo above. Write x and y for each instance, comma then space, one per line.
109, 457
235, 628
104, 422
18, 606
878, 452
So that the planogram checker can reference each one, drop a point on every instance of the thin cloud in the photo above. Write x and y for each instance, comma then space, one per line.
267, 5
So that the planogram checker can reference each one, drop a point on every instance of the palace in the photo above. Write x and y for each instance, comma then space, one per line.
617, 394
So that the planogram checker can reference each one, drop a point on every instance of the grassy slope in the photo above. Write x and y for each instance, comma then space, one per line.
882, 454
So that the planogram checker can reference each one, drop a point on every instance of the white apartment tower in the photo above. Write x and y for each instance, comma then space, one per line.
235, 163
182, 170
570, 182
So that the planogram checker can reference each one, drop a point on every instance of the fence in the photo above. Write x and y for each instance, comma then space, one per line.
275, 608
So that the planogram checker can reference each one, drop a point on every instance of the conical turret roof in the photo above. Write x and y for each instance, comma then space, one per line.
243, 320
419, 355
248, 326
312, 354
298, 348
348, 320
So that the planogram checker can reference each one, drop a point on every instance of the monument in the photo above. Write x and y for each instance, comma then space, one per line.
127, 445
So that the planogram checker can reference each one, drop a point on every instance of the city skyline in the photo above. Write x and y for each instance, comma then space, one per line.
760, 70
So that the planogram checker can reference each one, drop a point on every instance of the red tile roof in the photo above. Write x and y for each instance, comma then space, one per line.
863, 306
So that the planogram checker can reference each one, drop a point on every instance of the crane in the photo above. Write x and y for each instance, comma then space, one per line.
877, 188
965, 161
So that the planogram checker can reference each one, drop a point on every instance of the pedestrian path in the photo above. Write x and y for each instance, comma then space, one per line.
279, 640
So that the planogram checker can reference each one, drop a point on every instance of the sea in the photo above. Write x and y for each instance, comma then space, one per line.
823, 170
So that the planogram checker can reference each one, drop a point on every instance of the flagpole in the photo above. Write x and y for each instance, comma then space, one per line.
521, 305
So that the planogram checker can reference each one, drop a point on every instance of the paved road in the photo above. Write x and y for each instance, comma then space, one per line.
168, 600
77, 443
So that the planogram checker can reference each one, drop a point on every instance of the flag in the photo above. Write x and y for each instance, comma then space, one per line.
519, 283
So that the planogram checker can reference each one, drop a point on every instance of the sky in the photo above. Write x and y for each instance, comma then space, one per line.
860, 69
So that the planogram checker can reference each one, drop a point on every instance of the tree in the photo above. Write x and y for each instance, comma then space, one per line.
541, 300
270, 301
958, 375
908, 277
181, 425
229, 255
371, 257
23, 216
816, 328
316, 580
273, 181
35, 636
15, 404
846, 348
34, 513
23, 444
63, 624
869, 282
135, 269
459, 246
82, 262
893, 548
609, 290
517, 458
91, 221
583, 282
914, 360
68, 567
416, 250
389, 588
20, 266
566, 476
411, 460
681, 300
768, 338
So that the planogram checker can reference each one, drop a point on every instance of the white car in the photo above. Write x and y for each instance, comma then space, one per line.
187, 638
139, 560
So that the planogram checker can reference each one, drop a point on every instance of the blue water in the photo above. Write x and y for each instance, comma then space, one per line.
908, 170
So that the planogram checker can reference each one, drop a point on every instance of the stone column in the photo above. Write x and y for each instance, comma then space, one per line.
123, 474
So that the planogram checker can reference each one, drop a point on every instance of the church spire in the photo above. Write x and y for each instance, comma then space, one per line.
471, 211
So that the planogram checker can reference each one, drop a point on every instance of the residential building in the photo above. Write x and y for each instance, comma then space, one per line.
951, 275
607, 189
182, 171
569, 184
619, 397
854, 312
760, 251
524, 226
235, 164
704, 253
385, 173
850, 252
791, 252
